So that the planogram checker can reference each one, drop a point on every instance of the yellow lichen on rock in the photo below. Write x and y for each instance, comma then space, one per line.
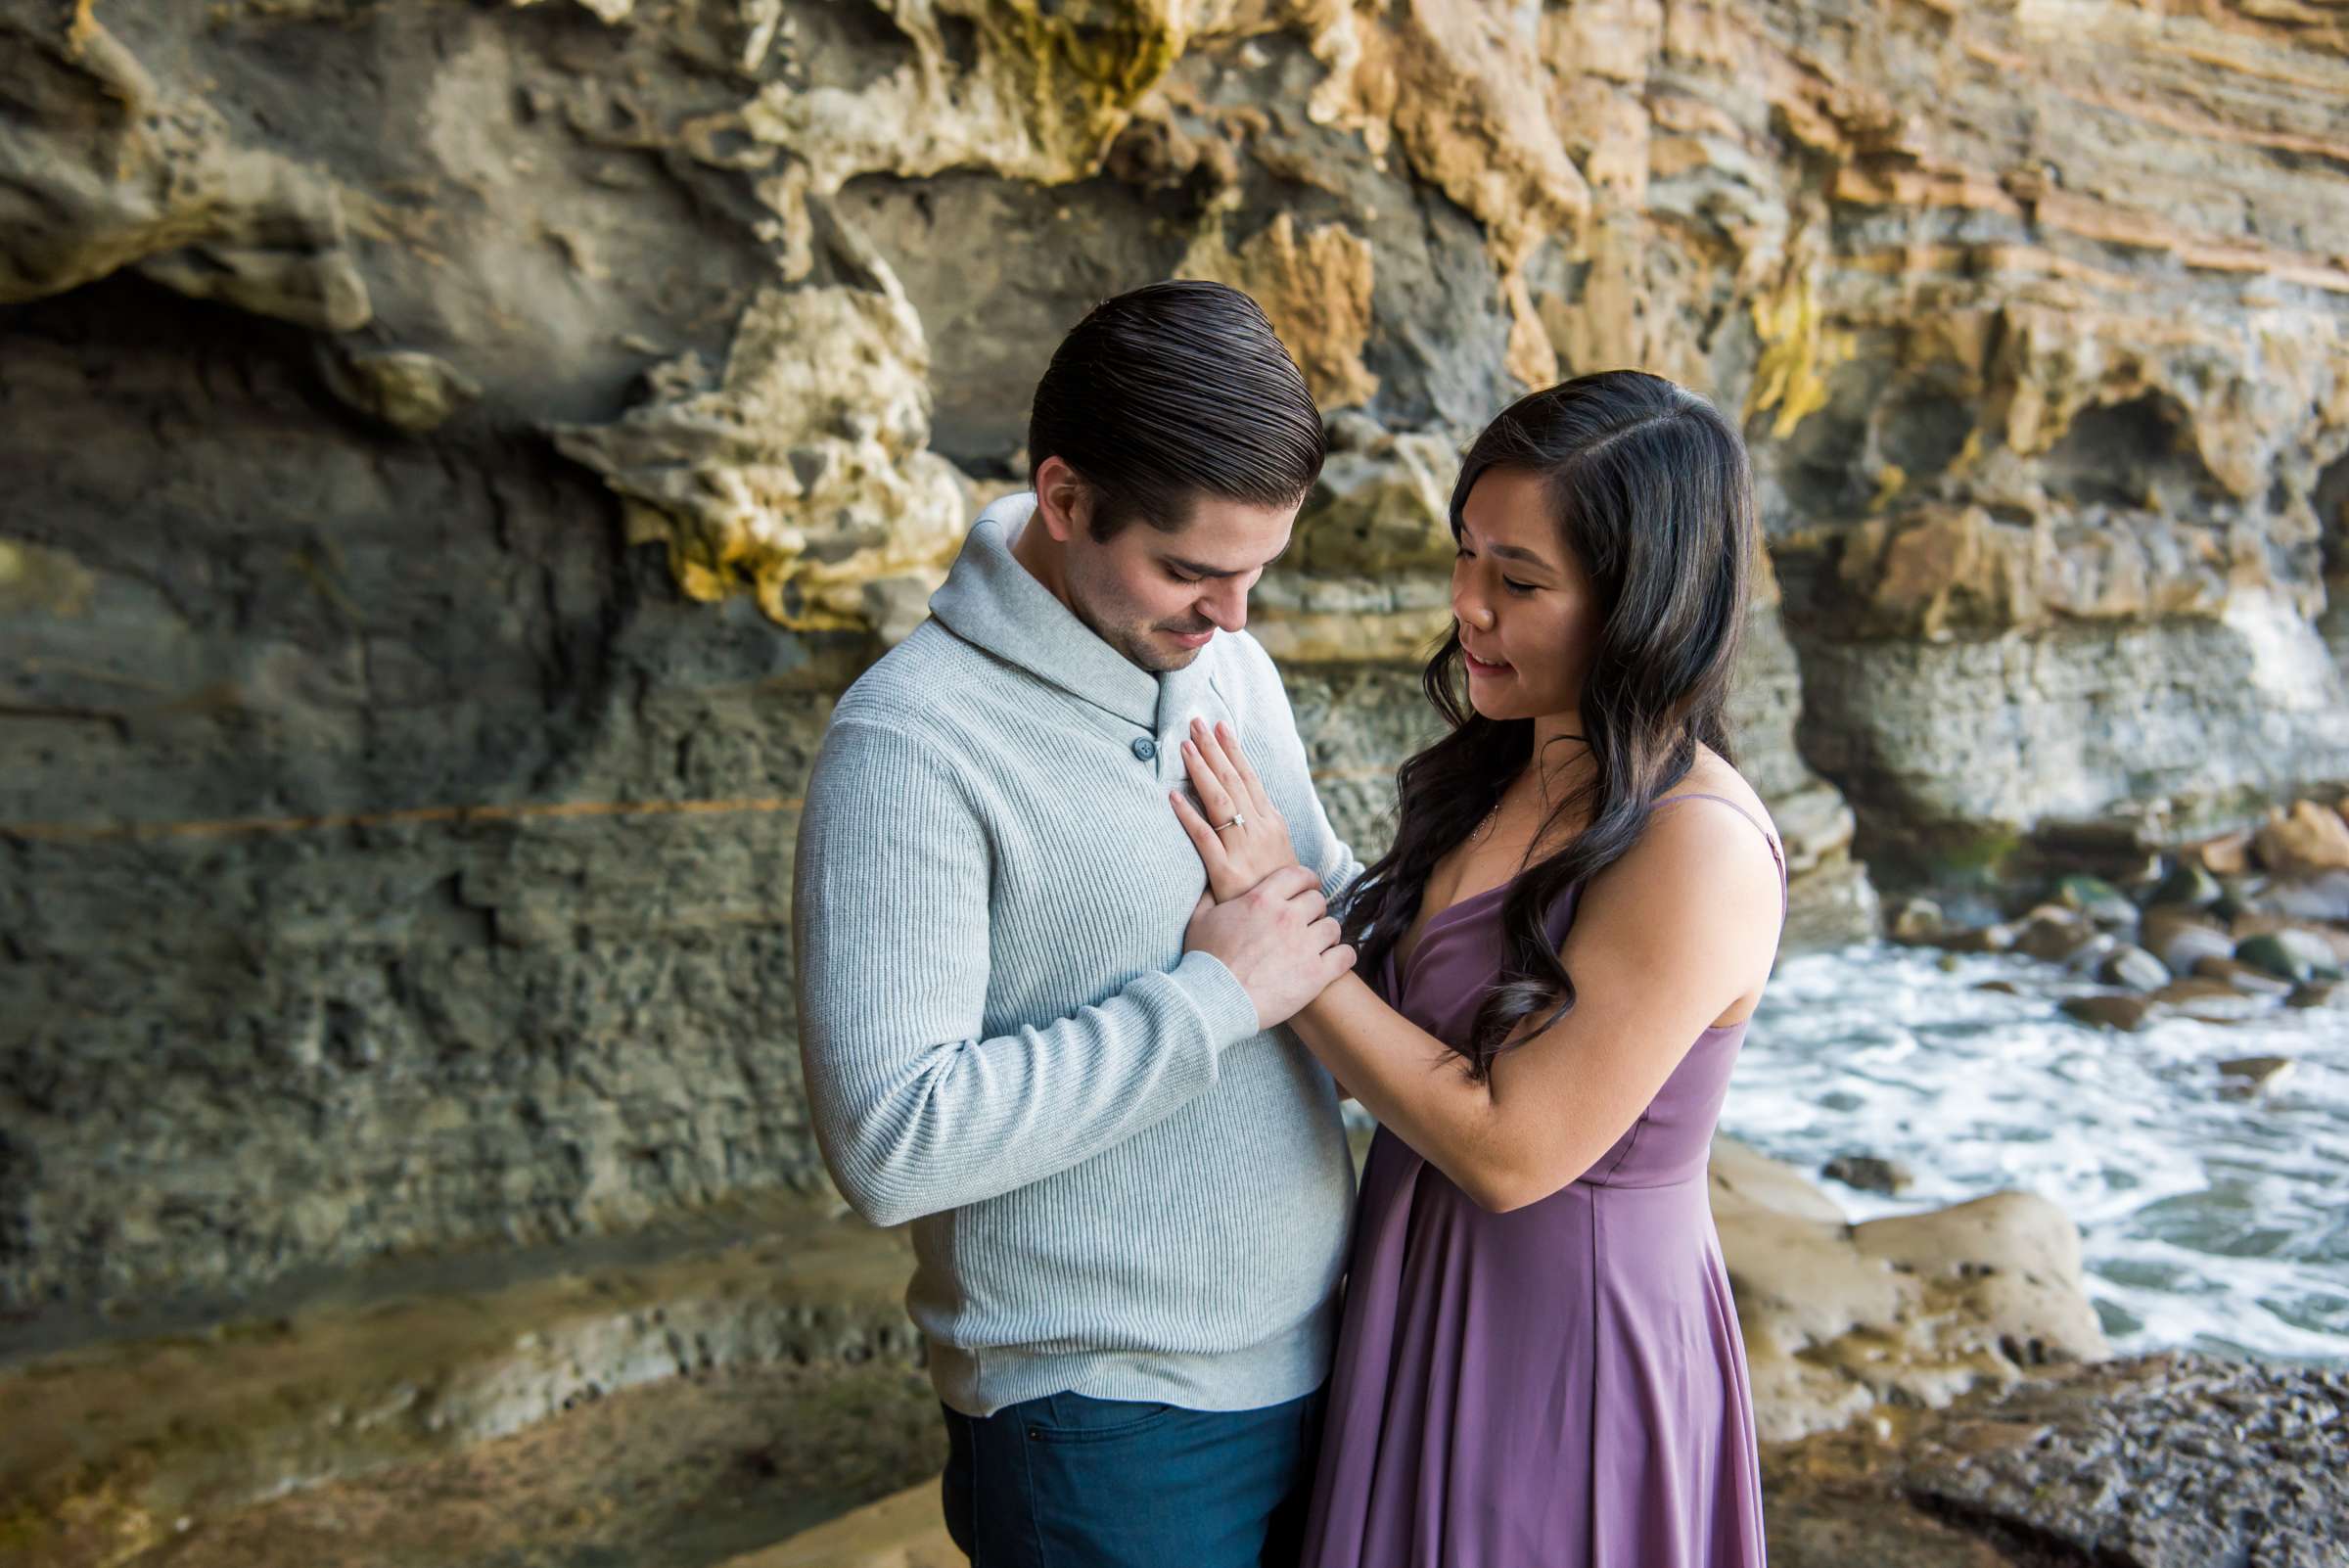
1044, 96
36, 580
1798, 351
1316, 289
1459, 85
802, 476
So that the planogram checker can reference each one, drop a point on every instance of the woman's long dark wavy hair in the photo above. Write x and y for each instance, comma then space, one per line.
1650, 489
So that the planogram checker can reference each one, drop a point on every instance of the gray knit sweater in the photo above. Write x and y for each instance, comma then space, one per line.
1119, 1185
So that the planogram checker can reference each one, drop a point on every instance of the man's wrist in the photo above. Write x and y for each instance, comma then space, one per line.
1209, 984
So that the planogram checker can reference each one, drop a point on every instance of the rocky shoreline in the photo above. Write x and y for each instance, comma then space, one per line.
1932, 1389
2222, 931
2164, 1461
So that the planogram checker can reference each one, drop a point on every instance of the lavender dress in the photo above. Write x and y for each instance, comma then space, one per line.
1558, 1386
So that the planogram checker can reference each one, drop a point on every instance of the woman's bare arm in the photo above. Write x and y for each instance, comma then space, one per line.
1666, 941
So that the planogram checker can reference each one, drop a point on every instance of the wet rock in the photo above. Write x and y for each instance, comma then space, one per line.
2211, 1001
2248, 919
2096, 898
1996, 938
2325, 897
2291, 953
2319, 993
1869, 1172
2110, 1011
2304, 842
2002, 987
2180, 938
2242, 977
1915, 1309
2089, 957
1917, 922
2133, 968
2255, 1073
2052, 933
2188, 886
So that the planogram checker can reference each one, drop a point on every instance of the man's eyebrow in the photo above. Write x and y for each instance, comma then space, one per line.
1200, 570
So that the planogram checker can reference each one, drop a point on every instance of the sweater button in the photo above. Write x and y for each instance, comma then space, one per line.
1145, 748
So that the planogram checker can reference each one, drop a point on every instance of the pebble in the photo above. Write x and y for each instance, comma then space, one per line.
1998, 938
2096, 898
2254, 1073
2135, 969
1869, 1172
2110, 1010
2290, 953
2211, 1001
2179, 937
2188, 887
1918, 921
2242, 977
2052, 934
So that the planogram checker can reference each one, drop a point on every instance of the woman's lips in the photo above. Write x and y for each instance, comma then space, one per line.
1482, 667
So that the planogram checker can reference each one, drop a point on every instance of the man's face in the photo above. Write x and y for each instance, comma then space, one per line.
1158, 598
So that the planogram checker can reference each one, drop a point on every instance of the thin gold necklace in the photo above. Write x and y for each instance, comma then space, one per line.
1476, 834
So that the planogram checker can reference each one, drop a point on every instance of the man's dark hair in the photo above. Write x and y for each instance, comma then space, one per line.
1173, 391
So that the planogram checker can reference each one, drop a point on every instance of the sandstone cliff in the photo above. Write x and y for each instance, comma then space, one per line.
456, 450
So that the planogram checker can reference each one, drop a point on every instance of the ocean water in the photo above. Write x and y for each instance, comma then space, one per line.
2208, 1221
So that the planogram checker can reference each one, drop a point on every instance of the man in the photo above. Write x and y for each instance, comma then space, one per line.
1129, 1187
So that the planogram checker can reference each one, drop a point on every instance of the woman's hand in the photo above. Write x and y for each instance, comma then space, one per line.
1242, 839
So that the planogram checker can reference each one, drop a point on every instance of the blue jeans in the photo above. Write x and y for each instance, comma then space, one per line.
1071, 1482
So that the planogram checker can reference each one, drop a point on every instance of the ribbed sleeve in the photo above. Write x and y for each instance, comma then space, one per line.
1114, 1181
916, 1111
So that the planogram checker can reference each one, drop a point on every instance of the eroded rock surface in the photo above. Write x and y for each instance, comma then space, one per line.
1913, 1310
2170, 1462
457, 452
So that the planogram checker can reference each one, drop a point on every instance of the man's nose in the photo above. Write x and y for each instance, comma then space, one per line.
1228, 605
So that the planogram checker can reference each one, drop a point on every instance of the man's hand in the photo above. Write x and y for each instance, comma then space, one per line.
1277, 939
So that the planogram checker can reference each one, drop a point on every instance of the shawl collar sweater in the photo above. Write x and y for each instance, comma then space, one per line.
1117, 1185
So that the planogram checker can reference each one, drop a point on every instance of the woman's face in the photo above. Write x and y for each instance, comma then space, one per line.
1524, 605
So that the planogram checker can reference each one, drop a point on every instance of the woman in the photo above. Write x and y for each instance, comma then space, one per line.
1540, 1363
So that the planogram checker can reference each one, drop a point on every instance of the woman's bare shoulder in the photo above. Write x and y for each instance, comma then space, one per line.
1712, 775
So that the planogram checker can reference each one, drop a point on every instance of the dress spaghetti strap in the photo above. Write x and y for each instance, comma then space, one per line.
1775, 853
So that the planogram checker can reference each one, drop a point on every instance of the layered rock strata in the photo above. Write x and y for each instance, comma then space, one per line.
457, 450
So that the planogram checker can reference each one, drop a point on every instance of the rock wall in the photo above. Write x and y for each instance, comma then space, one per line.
456, 450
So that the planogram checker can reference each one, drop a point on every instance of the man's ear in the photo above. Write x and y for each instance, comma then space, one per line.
1063, 501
